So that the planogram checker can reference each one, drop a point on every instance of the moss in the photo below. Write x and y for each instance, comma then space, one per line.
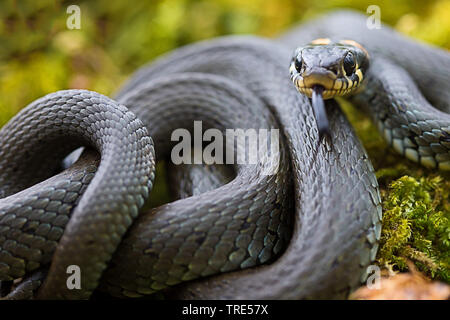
416, 225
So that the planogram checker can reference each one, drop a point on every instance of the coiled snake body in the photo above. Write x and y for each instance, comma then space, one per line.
313, 217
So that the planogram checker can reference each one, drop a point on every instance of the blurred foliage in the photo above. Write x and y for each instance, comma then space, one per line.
39, 55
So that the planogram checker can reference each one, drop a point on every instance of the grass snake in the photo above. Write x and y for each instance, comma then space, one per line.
306, 226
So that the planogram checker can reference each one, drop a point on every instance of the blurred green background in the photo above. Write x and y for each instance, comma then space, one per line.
39, 55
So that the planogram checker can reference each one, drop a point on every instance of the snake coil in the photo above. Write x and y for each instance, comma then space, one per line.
313, 223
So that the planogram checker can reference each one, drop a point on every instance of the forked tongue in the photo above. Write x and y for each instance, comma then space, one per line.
319, 111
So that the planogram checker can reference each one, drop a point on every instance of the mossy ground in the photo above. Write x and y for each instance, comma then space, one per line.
416, 207
39, 55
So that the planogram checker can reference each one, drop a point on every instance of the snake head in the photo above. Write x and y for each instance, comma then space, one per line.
338, 67
324, 69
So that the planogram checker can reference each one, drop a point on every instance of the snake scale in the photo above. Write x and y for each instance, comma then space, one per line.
305, 226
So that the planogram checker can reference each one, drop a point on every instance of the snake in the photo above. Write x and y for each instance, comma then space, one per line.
301, 222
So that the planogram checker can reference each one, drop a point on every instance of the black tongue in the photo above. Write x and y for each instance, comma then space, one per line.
319, 111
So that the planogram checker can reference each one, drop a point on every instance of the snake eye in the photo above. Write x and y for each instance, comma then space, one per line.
349, 64
298, 64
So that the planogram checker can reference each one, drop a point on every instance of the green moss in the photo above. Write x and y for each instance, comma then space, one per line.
416, 225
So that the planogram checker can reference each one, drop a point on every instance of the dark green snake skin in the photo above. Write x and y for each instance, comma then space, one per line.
312, 218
